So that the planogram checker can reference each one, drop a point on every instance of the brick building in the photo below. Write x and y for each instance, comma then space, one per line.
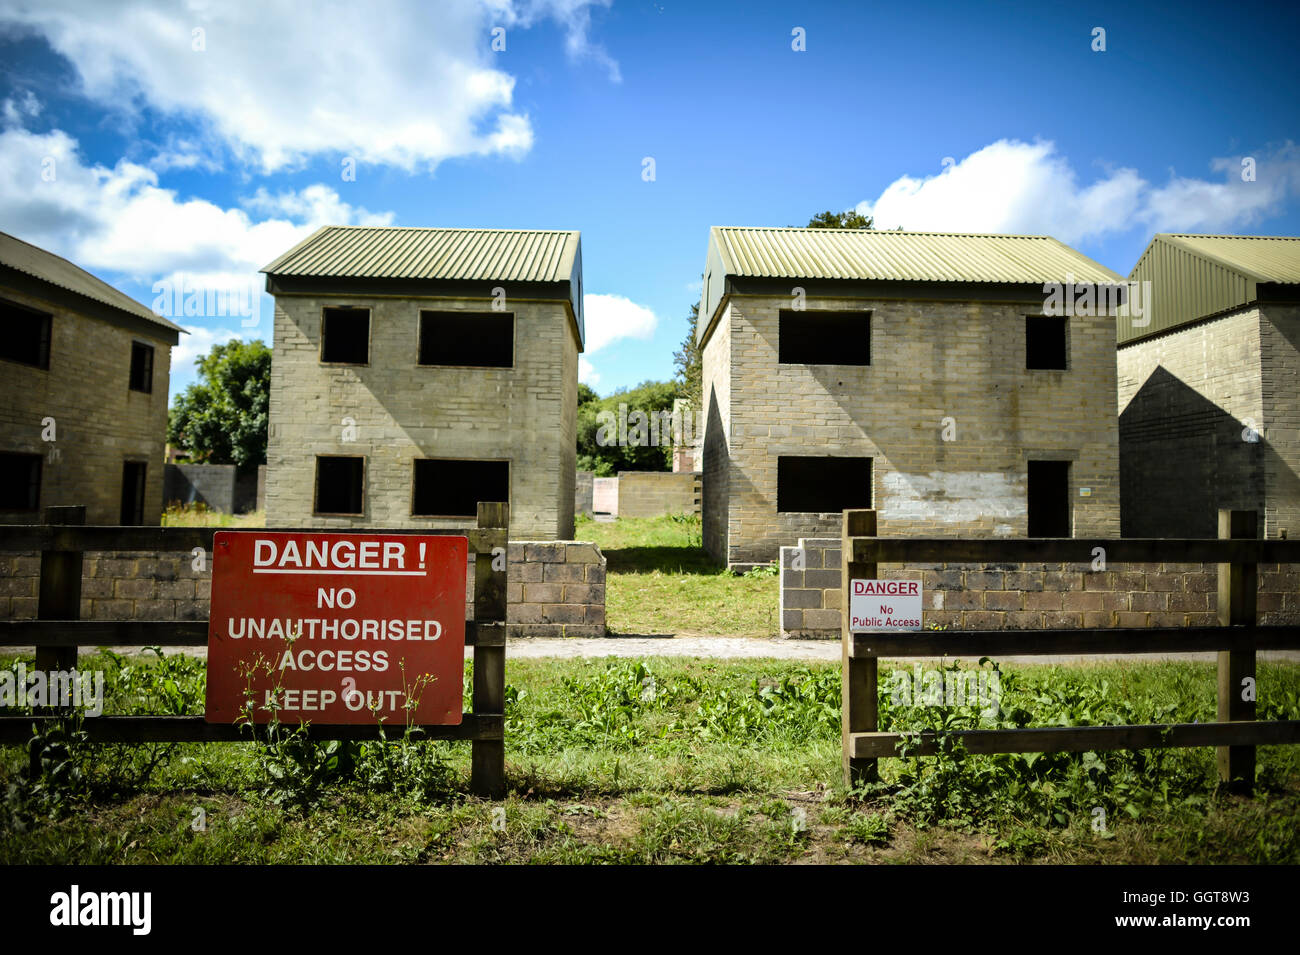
1209, 385
83, 392
915, 373
419, 371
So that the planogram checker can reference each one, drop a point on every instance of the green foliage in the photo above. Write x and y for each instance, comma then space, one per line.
222, 418
848, 219
760, 571
598, 431
688, 361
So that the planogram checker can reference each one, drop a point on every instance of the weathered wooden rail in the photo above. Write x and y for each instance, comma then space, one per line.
58, 633
1236, 732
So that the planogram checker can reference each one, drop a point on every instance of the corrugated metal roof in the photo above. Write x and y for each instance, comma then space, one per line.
505, 255
869, 255
1192, 276
903, 256
1265, 258
56, 270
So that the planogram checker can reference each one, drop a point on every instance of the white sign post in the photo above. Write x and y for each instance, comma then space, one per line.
885, 605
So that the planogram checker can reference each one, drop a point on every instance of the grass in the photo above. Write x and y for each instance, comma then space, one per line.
665, 761
200, 515
660, 580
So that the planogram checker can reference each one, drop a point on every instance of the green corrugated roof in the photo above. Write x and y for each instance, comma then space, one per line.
865, 254
505, 255
1193, 276
58, 271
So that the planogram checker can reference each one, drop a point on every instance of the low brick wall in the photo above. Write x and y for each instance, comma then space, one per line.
655, 493
1031, 596
583, 490
553, 588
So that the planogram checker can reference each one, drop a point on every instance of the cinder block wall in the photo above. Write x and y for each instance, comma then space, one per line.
930, 361
402, 411
209, 484
99, 421
553, 588
655, 493
1280, 357
1032, 596
1186, 400
583, 493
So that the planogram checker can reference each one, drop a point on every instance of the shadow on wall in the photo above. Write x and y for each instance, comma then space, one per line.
715, 481
1182, 458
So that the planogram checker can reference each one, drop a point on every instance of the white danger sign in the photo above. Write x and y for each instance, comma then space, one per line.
885, 605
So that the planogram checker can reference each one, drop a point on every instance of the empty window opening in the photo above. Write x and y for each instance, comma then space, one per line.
141, 367
27, 335
1049, 499
479, 339
822, 485
340, 482
446, 488
133, 473
1045, 342
345, 336
824, 338
20, 482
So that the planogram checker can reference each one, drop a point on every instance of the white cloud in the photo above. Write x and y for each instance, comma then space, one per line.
609, 318
408, 84
120, 220
197, 344
23, 105
1017, 187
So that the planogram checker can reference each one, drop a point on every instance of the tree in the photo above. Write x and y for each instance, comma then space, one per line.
690, 364
222, 418
848, 219
586, 394
625, 446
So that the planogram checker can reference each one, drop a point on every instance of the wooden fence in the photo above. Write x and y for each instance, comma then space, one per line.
58, 633
1236, 733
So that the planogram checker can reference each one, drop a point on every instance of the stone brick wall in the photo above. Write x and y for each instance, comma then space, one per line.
811, 588
554, 588
99, 422
219, 486
402, 411
931, 360
655, 493
583, 493
1280, 396
1033, 596
1187, 400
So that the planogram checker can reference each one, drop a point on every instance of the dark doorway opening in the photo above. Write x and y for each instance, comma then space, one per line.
1049, 499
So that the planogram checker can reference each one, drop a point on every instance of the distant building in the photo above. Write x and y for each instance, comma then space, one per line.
1209, 385
417, 372
83, 392
918, 374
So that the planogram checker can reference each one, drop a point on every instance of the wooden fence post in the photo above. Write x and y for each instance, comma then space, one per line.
488, 756
1237, 607
60, 599
858, 675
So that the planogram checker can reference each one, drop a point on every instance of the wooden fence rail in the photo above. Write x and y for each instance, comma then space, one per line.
59, 632
1236, 733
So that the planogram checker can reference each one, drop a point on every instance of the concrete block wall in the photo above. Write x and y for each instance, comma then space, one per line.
402, 411
553, 588
1039, 596
583, 493
1187, 400
931, 360
655, 493
811, 592
218, 486
98, 421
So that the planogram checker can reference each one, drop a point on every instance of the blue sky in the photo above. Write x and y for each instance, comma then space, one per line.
203, 155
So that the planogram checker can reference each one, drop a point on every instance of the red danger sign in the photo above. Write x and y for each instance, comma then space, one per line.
336, 628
